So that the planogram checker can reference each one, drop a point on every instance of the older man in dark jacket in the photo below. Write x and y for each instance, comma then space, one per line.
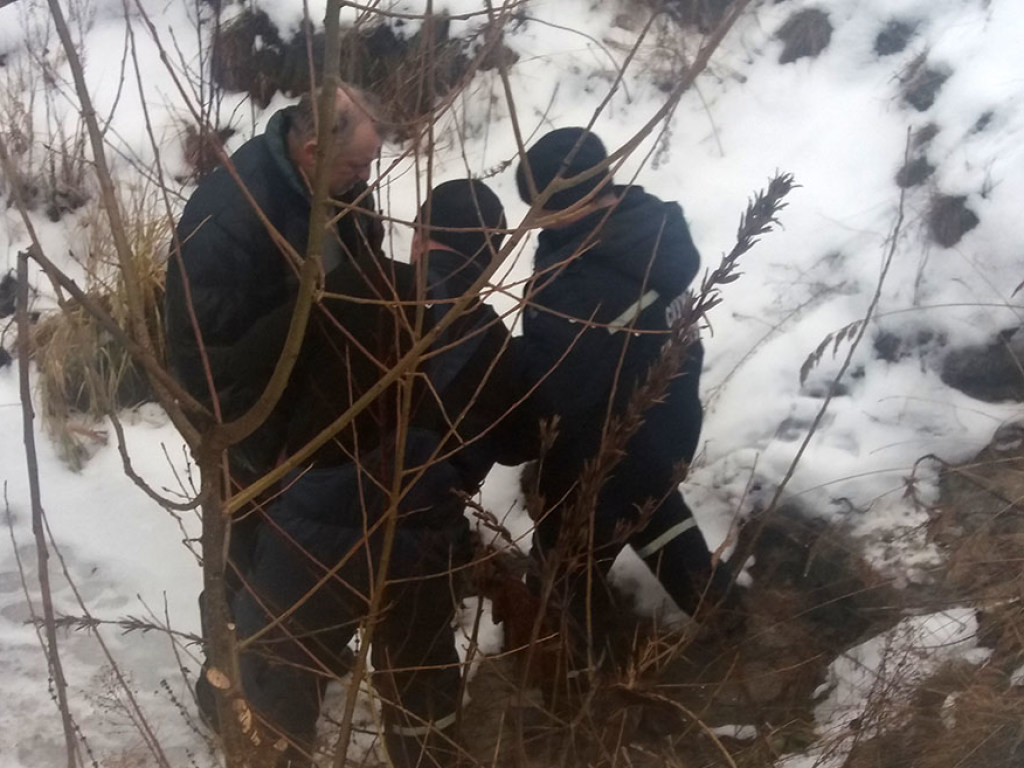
611, 273
231, 271
405, 459
229, 279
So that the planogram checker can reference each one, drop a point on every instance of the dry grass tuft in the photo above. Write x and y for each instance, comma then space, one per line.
962, 715
966, 714
83, 372
48, 153
203, 149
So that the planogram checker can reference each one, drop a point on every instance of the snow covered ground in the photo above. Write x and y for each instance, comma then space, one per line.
836, 121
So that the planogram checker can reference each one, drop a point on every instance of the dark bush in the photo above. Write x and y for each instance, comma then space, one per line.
702, 14
991, 372
894, 37
921, 83
984, 121
8, 294
949, 219
914, 172
924, 135
805, 33
251, 56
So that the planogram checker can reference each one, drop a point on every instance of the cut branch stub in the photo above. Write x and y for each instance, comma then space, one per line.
218, 679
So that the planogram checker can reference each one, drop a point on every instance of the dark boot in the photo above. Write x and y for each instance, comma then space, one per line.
206, 700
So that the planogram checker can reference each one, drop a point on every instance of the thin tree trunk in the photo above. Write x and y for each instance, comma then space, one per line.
52, 654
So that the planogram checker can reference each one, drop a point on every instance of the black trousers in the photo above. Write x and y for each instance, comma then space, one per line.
639, 504
322, 574
666, 538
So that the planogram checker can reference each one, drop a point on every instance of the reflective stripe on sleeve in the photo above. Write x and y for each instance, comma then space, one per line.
633, 311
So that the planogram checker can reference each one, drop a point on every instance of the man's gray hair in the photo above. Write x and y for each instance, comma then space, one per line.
347, 115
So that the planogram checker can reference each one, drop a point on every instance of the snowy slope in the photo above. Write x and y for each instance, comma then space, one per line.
837, 122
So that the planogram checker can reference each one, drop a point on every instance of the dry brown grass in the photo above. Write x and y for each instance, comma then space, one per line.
83, 372
49, 153
963, 716
970, 715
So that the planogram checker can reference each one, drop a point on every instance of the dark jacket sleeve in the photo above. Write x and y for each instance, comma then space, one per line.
254, 356
517, 433
488, 396
571, 366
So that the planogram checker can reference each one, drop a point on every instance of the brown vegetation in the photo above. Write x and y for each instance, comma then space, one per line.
969, 714
407, 74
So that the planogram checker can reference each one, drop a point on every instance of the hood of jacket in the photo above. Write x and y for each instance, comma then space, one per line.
643, 238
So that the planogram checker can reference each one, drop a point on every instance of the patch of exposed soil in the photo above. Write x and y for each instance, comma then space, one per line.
991, 372
894, 37
702, 14
405, 72
983, 122
902, 342
915, 172
949, 219
924, 135
805, 34
8, 294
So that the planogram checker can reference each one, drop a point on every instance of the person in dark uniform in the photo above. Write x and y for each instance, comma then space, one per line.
385, 495
610, 276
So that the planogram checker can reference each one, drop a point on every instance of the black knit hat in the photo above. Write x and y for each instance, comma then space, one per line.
565, 152
465, 204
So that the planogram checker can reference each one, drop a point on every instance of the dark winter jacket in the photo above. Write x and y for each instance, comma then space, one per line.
236, 274
625, 270
462, 398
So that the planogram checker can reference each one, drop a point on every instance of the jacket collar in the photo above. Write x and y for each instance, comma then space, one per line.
276, 136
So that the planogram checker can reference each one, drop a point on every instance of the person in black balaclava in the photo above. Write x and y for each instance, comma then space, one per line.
441, 428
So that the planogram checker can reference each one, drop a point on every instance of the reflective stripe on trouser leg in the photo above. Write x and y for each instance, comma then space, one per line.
424, 730
664, 539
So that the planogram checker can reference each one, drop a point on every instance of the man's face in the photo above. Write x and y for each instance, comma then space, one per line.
353, 162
